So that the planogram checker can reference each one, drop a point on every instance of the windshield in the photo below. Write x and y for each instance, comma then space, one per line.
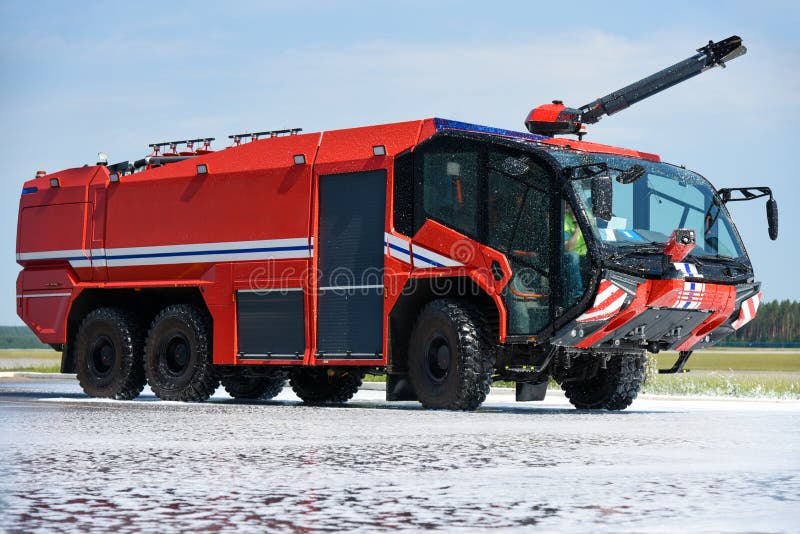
649, 209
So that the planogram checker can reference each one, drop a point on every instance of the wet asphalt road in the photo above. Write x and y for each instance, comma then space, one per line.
68, 462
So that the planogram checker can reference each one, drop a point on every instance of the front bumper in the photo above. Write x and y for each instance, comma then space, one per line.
682, 314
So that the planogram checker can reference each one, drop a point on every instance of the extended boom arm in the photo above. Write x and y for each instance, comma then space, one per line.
555, 118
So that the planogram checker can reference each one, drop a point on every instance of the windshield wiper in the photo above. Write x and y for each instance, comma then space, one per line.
654, 247
651, 248
632, 249
732, 261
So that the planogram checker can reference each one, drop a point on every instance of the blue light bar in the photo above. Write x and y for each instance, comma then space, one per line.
445, 124
27, 190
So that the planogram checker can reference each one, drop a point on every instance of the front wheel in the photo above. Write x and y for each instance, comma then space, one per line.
451, 358
108, 355
612, 388
178, 355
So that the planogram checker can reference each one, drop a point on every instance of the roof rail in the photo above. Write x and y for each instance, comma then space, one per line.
174, 144
237, 138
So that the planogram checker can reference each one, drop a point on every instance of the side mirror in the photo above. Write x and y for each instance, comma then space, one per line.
772, 218
738, 194
602, 197
632, 174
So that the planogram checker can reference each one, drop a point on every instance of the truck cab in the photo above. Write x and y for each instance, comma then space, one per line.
578, 291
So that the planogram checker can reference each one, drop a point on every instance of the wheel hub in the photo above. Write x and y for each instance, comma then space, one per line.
107, 355
443, 357
176, 354
438, 358
102, 356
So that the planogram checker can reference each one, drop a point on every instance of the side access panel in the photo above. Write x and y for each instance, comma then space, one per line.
271, 324
352, 210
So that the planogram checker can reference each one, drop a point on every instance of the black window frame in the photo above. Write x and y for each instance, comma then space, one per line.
420, 215
403, 193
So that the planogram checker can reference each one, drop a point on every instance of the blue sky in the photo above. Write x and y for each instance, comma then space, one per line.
79, 78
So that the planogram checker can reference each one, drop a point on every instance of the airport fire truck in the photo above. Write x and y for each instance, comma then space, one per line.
443, 254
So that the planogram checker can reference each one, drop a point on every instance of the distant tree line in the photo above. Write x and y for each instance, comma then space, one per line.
777, 323
19, 337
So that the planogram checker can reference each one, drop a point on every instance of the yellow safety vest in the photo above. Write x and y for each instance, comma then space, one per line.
570, 227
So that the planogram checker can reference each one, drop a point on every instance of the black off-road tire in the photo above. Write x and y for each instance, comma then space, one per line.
613, 388
316, 385
108, 354
177, 355
247, 386
451, 356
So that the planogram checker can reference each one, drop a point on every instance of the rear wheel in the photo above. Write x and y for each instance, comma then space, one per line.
178, 355
108, 355
326, 384
451, 358
612, 388
264, 386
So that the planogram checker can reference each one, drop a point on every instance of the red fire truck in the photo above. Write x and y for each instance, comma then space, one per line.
440, 253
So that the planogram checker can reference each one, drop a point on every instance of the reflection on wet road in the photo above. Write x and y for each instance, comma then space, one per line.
71, 462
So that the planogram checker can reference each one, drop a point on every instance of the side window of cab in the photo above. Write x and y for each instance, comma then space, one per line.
447, 173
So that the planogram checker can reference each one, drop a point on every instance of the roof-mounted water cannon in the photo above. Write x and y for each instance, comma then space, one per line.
558, 119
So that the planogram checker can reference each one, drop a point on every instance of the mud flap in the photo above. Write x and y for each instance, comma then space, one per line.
531, 392
398, 388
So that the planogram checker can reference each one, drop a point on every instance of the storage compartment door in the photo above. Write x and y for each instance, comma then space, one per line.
271, 324
351, 227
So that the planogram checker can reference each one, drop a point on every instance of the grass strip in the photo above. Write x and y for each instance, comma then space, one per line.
35, 354
725, 385
32, 369
739, 360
